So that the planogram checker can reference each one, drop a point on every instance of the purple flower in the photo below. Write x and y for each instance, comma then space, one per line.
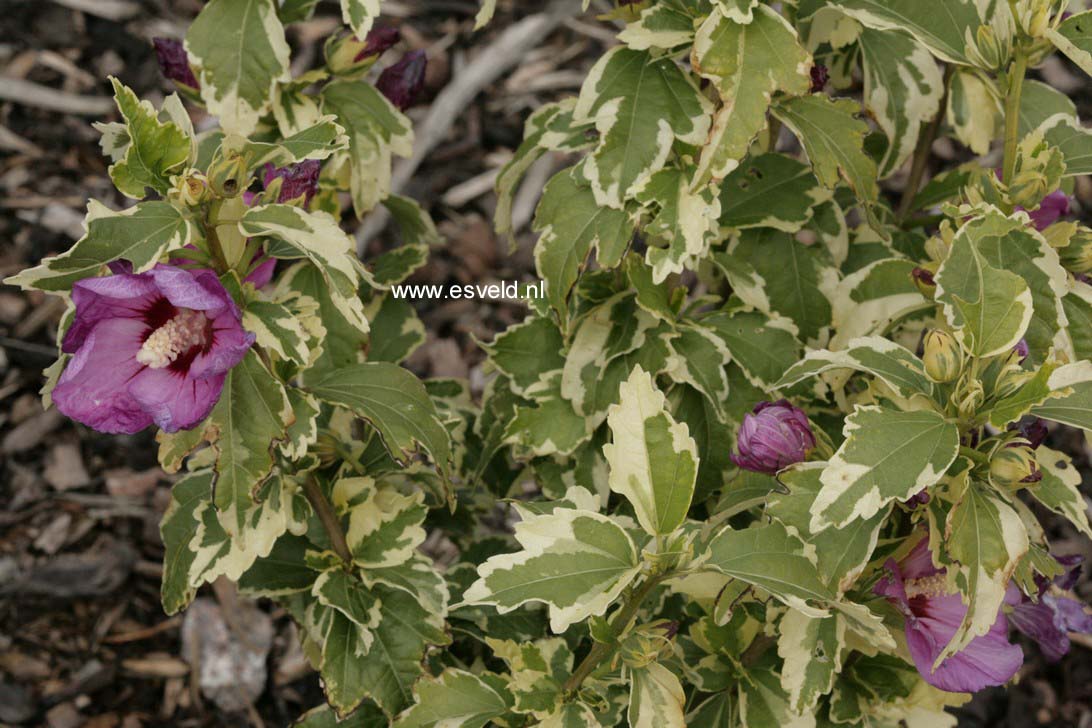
775, 436
1021, 349
1052, 207
402, 82
173, 62
379, 40
148, 348
819, 77
1054, 614
1032, 429
299, 180
933, 614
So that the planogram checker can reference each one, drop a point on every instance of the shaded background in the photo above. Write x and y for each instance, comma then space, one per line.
83, 639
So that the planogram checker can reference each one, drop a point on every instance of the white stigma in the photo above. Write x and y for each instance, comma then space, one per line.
173, 338
929, 587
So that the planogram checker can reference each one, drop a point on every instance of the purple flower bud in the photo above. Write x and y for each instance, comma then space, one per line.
402, 82
774, 437
299, 180
1034, 430
819, 77
173, 62
379, 41
923, 277
1021, 350
918, 499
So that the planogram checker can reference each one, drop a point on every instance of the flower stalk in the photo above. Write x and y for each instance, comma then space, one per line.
1012, 113
330, 522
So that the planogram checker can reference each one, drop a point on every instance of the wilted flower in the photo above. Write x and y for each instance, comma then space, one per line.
148, 348
297, 180
1054, 614
819, 77
933, 615
774, 437
402, 82
174, 63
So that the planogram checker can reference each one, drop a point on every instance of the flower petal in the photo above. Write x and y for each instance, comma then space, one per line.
98, 299
173, 400
1038, 621
199, 290
93, 387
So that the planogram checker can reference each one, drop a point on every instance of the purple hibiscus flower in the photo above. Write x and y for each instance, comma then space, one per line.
1054, 614
1050, 210
148, 348
933, 614
773, 437
174, 63
298, 180
402, 82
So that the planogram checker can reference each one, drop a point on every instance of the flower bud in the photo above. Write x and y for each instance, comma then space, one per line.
775, 436
190, 189
1033, 429
971, 401
1077, 256
347, 55
228, 175
925, 281
942, 356
820, 74
1013, 465
174, 64
1010, 381
403, 82
988, 48
298, 182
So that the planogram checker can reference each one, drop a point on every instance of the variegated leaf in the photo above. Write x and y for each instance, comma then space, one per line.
384, 525
177, 528
640, 105
527, 351
812, 651
457, 699
887, 455
277, 329
656, 698
974, 110
1065, 131
945, 33
882, 358
576, 562
1073, 37
747, 64
665, 25
653, 460
549, 426
683, 225
360, 15
241, 54
770, 190
1074, 408
153, 148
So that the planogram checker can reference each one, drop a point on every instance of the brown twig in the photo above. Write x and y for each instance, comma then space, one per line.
922, 151
329, 519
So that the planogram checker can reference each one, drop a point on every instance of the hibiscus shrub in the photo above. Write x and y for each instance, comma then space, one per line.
773, 459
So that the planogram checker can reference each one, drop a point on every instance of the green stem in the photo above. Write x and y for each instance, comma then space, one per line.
622, 618
922, 151
1012, 114
325, 511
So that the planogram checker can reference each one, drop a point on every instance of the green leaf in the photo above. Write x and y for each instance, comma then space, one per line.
376, 130
1074, 408
653, 460
283, 571
833, 138
384, 525
887, 455
1039, 102
1075, 142
249, 419
317, 237
153, 149
747, 64
141, 234
812, 651
570, 223
945, 33
277, 329
394, 401
902, 89
318, 141
989, 308
663, 25
343, 343
395, 331
640, 106
770, 557
1059, 490
841, 553
897, 367
550, 426
527, 351
340, 590
787, 277
177, 528
1077, 305
366, 716
770, 190
699, 358
456, 699
656, 698
1073, 37
577, 562
240, 52
763, 347
360, 15
684, 224
762, 702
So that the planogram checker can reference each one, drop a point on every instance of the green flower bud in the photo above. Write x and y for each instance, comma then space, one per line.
1013, 465
943, 357
190, 189
1011, 380
228, 175
988, 50
1077, 256
971, 401
925, 280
